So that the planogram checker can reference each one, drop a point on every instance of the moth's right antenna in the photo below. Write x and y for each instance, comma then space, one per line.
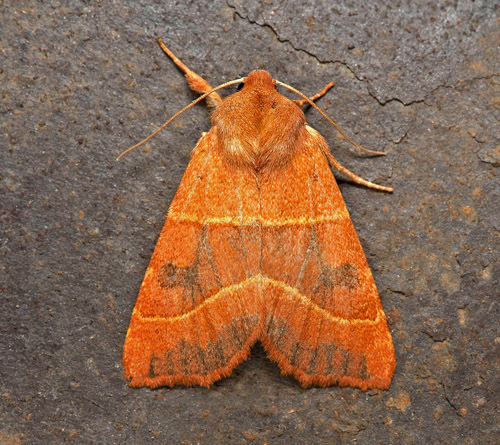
347, 138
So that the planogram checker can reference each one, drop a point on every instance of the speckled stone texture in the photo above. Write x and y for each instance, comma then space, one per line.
80, 81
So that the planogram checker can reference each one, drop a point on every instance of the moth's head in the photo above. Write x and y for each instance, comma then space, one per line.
259, 78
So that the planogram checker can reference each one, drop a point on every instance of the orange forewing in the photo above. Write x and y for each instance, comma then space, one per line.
193, 322
327, 324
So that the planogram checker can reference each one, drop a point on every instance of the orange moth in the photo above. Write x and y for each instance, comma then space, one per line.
258, 245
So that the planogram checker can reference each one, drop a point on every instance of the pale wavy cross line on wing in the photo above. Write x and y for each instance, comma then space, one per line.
290, 292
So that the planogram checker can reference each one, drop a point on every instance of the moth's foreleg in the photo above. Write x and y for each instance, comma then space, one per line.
195, 81
302, 102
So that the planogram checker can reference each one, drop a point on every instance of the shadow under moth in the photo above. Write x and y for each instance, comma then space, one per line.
258, 245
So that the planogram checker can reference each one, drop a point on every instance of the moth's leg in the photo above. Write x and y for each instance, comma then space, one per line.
302, 102
195, 81
338, 166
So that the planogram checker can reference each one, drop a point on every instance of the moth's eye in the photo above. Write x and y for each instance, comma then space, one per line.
240, 86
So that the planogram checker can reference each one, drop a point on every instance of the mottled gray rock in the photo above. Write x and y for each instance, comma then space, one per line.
82, 81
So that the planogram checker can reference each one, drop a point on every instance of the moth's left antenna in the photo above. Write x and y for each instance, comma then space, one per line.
232, 82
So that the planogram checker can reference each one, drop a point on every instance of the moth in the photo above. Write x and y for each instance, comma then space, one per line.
258, 245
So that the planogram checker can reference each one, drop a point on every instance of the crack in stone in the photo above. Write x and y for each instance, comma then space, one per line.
351, 70
398, 292
395, 99
289, 42
480, 143
435, 340
430, 93
457, 412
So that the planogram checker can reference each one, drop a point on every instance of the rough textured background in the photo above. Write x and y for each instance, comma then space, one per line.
82, 80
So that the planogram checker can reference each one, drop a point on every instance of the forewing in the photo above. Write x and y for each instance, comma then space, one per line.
324, 323
197, 312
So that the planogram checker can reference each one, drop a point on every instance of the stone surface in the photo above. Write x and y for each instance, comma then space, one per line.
81, 81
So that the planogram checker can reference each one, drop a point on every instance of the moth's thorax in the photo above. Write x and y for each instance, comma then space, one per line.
258, 127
